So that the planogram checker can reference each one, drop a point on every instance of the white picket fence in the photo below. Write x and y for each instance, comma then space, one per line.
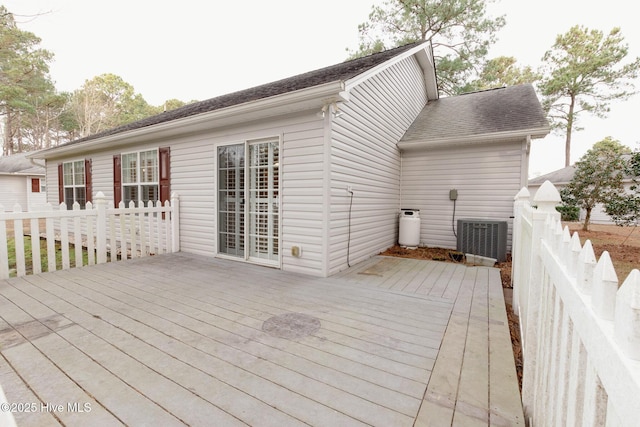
99, 232
580, 332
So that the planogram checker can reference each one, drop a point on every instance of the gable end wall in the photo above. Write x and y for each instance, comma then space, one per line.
365, 157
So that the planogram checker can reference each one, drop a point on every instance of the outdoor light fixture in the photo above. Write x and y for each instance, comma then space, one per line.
328, 107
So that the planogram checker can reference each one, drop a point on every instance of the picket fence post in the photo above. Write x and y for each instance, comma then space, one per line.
605, 286
19, 242
546, 200
175, 222
627, 316
521, 199
101, 227
587, 263
4, 253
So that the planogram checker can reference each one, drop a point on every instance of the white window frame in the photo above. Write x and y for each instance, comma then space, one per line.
138, 183
73, 184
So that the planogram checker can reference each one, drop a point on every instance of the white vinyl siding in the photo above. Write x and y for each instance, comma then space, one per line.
193, 167
102, 175
302, 181
35, 201
13, 189
193, 179
365, 157
487, 177
51, 171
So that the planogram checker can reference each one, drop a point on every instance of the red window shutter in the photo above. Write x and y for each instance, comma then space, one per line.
87, 180
117, 180
165, 174
60, 184
35, 185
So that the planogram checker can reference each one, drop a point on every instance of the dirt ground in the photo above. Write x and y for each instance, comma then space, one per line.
622, 243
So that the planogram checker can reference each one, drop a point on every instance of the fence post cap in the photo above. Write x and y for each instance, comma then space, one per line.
575, 243
605, 269
547, 193
100, 199
547, 197
627, 316
523, 194
586, 254
630, 289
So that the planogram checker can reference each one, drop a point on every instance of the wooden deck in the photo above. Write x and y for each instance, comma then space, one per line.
186, 340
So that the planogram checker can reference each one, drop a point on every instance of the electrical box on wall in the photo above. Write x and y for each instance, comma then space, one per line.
296, 251
453, 194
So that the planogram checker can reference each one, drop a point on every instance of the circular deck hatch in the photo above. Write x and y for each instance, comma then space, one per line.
291, 326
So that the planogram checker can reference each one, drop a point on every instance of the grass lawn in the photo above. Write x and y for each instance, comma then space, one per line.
44, 263
11, 248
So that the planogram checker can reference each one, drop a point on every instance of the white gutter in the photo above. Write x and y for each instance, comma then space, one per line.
455, 141
261, 108
22, 174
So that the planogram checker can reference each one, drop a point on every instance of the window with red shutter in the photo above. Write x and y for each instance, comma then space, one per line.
142, 176
74, 182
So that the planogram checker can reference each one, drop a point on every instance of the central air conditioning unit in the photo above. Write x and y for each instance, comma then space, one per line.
483, 237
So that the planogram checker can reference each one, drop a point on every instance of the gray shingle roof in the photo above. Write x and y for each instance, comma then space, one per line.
508, 109
565, 175
338, 72
560, 176
20, 165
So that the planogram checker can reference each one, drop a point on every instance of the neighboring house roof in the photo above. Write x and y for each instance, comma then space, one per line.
507, 112
324, 82
565, 175
559, 177
19, 164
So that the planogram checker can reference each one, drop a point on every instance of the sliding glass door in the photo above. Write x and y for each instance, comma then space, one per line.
248, 188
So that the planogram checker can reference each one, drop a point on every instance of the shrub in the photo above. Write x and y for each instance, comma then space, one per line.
569, 213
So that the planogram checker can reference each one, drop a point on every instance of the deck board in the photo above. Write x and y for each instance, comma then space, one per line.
178, 340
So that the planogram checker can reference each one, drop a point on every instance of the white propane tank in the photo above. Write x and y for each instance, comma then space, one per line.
409, 234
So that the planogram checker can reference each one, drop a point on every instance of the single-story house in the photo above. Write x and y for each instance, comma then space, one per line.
309, 173
561, 178
22, 181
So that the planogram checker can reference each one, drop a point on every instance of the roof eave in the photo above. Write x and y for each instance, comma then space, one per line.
23, 174
308, 98
453, 141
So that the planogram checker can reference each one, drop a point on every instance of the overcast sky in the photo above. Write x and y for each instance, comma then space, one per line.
192, 49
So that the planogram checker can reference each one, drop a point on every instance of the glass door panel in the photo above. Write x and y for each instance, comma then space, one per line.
264, 201
231, 175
